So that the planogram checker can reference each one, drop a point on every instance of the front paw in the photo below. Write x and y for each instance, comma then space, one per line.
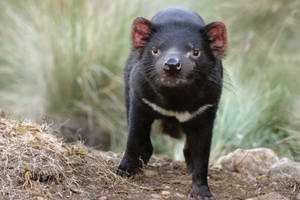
201, 192
127, 168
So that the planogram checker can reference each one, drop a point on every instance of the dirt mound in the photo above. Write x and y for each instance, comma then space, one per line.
34, 164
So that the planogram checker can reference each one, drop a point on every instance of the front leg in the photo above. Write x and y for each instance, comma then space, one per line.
139, 148
196, 151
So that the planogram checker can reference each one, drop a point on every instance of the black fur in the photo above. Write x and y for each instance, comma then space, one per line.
201, 84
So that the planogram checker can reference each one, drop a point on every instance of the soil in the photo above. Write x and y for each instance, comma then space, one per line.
163, 178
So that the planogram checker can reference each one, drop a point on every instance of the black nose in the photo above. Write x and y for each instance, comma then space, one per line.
172, 64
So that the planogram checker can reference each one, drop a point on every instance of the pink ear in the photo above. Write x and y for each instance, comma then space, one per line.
140, 31
217, 36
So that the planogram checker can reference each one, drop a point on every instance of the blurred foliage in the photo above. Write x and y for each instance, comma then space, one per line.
66, 58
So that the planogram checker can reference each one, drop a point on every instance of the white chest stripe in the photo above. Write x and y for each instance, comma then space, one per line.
183, 116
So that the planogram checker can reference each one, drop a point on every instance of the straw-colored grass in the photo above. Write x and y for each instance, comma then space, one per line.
34, 163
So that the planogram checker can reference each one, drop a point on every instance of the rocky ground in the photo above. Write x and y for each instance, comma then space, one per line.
37, 165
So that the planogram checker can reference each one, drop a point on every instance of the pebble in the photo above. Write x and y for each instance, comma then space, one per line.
298, 196
149, 173
180, 195
155, 196
103, 198
165, 193
41, 198
167, 187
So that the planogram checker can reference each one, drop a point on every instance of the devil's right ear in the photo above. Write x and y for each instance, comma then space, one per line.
141, 29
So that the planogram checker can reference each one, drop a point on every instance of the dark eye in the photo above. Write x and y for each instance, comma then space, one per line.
196, 53
155, 51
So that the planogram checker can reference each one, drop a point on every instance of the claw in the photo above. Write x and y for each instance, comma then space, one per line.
201, 193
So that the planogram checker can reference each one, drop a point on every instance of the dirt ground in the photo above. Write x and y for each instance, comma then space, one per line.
36, 165
165, 179
162, 178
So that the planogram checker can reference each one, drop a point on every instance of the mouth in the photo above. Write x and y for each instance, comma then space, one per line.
172, 73
171, 81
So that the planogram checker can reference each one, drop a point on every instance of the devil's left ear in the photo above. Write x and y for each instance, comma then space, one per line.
217, 36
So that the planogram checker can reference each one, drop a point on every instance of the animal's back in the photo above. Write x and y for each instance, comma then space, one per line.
177, 14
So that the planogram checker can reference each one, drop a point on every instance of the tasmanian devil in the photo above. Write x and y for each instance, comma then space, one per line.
174, 73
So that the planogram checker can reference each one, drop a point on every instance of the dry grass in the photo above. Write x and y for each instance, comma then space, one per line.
36, 164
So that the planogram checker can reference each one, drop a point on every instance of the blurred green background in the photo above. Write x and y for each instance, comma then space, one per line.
65, 58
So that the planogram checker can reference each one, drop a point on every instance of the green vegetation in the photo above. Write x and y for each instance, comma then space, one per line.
66, 58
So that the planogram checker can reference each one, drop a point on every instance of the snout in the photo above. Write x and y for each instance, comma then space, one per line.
172, 65
173, 70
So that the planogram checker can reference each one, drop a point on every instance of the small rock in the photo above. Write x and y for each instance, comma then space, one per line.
177, 165
180, 195
165, 193
253, 162
286, 168
41, 198
149, 173
270, 196
155, 196
166, 187
103, 198
298, 196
